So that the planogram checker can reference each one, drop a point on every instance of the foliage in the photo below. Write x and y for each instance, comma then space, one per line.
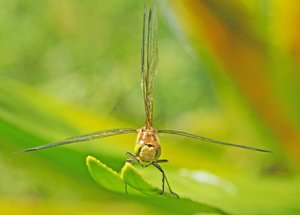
227, 71
111, 180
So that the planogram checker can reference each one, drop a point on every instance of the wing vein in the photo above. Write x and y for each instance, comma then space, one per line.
149, 60
206, 139
83, 138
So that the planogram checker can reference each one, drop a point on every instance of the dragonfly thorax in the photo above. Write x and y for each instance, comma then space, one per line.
147, 148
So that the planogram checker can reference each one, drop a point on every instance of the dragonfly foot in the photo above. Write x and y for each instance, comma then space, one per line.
126, 191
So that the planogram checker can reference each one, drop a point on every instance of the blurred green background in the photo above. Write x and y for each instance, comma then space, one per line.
228, 70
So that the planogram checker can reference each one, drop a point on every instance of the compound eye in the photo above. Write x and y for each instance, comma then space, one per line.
158, 152
137, 149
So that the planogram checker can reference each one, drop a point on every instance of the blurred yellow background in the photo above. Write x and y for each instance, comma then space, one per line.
229, 70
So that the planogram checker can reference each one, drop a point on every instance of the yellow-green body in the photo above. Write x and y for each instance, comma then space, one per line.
147, 148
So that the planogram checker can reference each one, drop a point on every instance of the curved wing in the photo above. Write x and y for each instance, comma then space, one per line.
83, 138
149, 60
185, 134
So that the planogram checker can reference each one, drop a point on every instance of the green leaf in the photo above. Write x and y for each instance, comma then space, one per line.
104, 176
111, 180
134, 179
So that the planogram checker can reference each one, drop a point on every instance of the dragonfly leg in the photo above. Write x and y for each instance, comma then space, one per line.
164, 178
126, 191
132, 156
162, 161
132, 159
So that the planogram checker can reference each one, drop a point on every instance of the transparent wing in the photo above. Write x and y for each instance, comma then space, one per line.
181, 133
82, 138
149, 60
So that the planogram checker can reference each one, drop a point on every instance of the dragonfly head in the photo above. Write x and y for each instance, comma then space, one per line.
147, 147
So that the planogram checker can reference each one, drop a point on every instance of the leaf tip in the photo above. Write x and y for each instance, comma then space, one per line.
126, 167
90, 159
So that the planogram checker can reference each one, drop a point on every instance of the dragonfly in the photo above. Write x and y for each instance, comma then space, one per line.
147, 149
